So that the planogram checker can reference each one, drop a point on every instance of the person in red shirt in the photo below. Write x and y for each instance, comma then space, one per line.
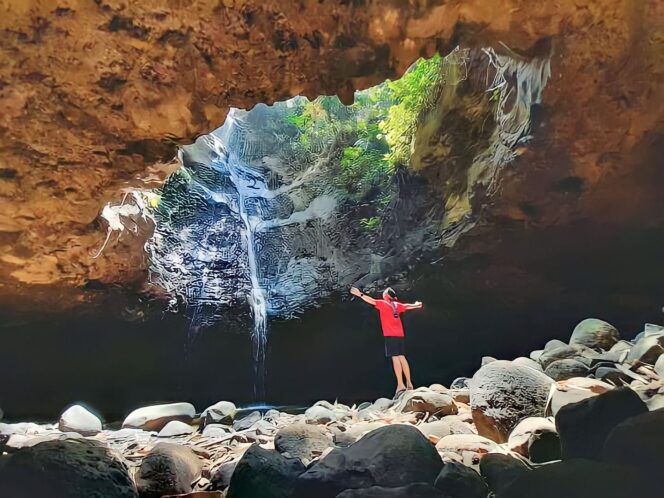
390, 310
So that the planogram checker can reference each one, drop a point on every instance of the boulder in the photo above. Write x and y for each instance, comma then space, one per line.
175, 428
378, 459
303, 441
81, 420
566, 369
574, 390
416, 490
584, 426
429, 402
319, 414
527, 362
262, 473
458, 481
595, 334
460, 383
502, 393
168, 469
222, 412
247, 421
553, 344
356, 431
382, 404
612, 375
646, 351
536, 439
71, 468
438, 388
440, 428
621, 346
637, 441
467, 449
659, 367
155, 417
535, 355
560, 353
221, 477
499, 471
216, 431
487, 359
578, 479
460, 395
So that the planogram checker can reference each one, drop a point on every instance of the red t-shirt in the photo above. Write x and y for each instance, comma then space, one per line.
392, 326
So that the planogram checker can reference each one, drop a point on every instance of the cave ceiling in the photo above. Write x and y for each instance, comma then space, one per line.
95, 97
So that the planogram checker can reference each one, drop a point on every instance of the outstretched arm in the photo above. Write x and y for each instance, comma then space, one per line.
417, 305
367, 299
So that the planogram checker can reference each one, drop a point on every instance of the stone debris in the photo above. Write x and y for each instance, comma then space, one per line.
512, 411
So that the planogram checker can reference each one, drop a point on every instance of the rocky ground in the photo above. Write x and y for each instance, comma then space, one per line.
577, 419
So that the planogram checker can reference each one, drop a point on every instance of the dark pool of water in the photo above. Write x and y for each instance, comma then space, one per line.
531, 288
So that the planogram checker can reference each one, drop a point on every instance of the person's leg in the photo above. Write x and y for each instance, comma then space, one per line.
398, 372
405, 367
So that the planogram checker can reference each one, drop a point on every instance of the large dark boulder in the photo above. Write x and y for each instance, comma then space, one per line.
391, 456
500, 471
560, 353
579, 479
638, 441
566, 369
303, 441
459, 481
168, 469
502, 393
70, 468
416, 490
264, 473
584, 426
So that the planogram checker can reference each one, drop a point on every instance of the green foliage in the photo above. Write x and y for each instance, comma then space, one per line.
373, 136
370, 224
411, 94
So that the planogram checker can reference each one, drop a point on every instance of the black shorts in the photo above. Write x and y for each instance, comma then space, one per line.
394, 346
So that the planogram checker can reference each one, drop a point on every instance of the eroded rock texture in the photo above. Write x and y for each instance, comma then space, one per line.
94, 97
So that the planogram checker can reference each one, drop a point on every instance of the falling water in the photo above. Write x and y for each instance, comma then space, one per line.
248, 184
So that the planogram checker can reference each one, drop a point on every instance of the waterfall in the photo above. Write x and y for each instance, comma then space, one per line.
248, 185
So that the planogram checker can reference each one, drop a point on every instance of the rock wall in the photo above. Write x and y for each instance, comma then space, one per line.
95, 96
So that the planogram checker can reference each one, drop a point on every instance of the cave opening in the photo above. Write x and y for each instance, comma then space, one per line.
286, 206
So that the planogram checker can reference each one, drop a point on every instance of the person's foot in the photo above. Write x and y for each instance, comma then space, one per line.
400, 390
409, 386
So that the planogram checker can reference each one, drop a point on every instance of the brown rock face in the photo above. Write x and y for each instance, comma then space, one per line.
95, 96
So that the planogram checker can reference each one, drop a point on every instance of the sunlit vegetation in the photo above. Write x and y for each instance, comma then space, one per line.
373, 137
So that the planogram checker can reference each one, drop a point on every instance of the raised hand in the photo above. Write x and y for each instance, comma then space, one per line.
355, 291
